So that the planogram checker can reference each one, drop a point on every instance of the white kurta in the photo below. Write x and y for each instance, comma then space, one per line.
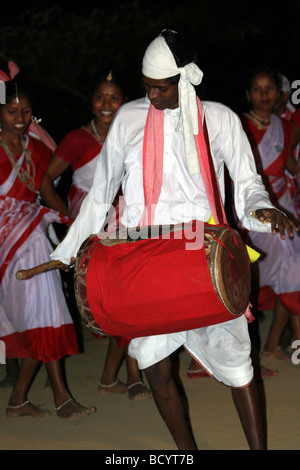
182, 199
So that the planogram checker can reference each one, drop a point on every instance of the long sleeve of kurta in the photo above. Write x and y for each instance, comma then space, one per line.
235, 152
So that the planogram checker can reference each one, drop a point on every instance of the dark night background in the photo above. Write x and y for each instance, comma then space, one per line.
62, 49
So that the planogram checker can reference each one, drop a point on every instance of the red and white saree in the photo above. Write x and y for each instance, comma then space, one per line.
279, 266
34, 317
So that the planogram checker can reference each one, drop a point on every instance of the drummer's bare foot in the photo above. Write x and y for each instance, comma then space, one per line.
115, 387
277, 353
26, 409
70, 409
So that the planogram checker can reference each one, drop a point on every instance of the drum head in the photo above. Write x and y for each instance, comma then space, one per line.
230, 270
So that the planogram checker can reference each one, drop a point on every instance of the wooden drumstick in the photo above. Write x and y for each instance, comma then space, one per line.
41, 268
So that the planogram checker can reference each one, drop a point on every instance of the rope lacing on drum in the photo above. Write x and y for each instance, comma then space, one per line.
89, 250
207, 232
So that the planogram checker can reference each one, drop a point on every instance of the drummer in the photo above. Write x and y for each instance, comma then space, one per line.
166, 119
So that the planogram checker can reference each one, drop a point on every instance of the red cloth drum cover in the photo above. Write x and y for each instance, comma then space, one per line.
157, 286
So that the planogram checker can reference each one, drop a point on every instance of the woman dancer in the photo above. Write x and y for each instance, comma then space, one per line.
271, 139
35, 325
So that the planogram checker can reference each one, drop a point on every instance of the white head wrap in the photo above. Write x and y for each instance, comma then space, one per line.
286, 88
285, 84
158, 64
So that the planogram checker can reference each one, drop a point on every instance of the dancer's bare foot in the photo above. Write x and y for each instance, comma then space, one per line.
267, 373
26, 409
263, 372
115, 387
70, 409
277, 353
138, 391
195, 370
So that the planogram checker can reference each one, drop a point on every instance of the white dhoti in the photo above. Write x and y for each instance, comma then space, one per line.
222, 349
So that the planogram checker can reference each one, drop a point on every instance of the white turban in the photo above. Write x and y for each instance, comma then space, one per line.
159, 63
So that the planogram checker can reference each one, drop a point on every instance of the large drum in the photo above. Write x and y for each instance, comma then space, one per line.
156, 285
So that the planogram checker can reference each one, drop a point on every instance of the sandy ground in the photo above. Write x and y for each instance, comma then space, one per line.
120, 424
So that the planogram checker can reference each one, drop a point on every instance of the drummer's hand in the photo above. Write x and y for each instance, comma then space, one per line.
278, 221
66, 267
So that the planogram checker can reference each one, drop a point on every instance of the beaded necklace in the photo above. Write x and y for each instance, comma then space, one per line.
26, 176
257, 120
96, 131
